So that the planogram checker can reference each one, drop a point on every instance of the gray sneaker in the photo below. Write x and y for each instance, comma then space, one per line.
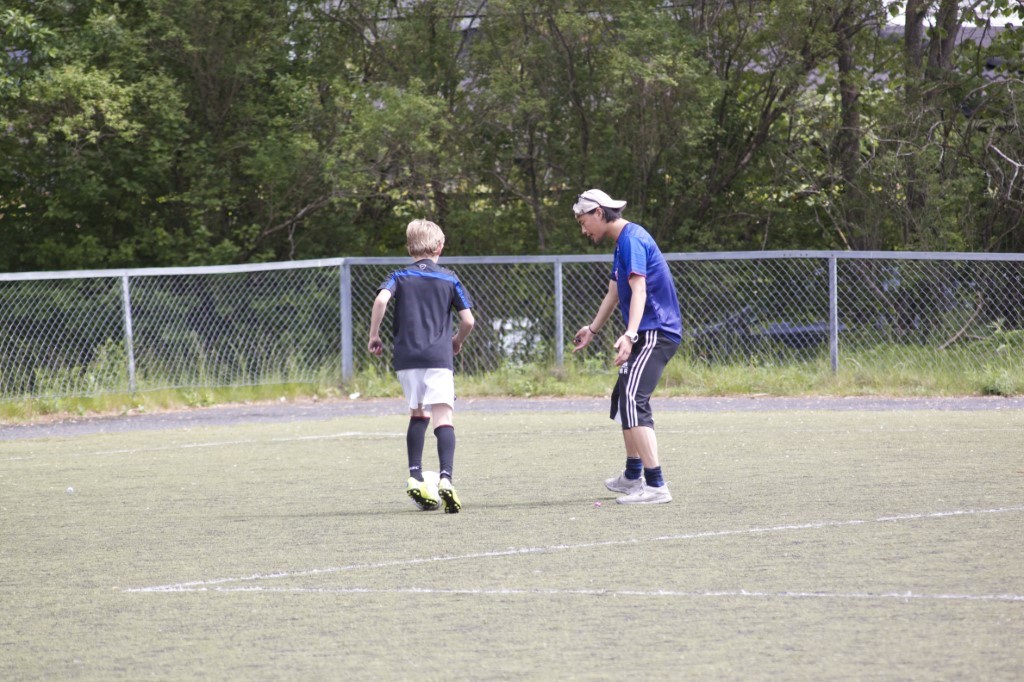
626, 486
647, 495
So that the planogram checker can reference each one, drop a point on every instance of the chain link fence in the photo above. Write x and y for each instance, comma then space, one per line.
88, 333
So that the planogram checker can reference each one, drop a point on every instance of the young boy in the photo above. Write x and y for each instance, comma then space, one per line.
423, 356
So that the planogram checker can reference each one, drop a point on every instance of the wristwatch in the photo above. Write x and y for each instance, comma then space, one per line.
634, 337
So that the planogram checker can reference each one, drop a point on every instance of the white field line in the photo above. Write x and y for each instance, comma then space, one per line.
492, 434
249, 441
841, 432
900, 596
201, 585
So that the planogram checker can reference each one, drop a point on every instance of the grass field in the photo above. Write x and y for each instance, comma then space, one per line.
801, 545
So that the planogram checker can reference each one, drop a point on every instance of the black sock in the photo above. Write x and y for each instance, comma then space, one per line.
446, 449
653, 477
634, 468
414, 438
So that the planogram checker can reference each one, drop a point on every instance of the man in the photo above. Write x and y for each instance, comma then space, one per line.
641, 286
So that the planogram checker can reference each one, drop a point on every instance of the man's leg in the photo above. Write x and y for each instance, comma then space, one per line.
631, 479
645, 367
642, 443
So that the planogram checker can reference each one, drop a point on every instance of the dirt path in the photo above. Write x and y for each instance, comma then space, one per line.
298, 411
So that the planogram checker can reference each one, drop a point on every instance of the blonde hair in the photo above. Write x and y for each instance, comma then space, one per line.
423, 238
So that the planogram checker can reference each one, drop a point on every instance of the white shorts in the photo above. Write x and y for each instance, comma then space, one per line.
426, 387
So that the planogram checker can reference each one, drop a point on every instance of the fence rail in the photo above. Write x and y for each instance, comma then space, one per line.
65, 334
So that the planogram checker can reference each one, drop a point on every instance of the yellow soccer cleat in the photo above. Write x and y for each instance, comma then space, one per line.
422, 495
452, 505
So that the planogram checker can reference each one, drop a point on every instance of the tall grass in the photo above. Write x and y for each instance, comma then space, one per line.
871, 373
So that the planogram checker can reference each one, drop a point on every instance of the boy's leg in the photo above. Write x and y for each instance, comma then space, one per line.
420, 493
415, 436
445, 433
416, 488
439, 394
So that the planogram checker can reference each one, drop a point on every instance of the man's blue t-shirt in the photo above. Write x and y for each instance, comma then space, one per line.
425, 294
636, 253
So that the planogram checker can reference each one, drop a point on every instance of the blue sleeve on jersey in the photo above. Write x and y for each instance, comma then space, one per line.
634, 257
637, 258
463, 301
391, 283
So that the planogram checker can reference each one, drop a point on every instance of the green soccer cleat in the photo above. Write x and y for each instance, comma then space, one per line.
422, 495
452, 505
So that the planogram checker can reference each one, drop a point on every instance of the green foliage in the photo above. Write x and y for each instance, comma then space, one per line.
214, 131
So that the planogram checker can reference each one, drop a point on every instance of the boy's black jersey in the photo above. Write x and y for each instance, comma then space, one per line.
425, 295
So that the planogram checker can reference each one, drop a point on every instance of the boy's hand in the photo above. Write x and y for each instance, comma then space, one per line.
456, 345
376, 346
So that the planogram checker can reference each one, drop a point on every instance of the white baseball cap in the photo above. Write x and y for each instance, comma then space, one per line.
594, 198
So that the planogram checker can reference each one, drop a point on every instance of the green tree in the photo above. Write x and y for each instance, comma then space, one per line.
158, 132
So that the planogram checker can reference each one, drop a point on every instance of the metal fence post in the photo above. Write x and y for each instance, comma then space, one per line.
559, 315
898, 307
129, 342
833, 314
347, 368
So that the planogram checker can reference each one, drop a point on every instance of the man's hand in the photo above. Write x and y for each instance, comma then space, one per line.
583, 338
623, 349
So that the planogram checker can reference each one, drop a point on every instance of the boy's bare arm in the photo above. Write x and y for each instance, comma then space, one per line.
380, 305
466, 322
